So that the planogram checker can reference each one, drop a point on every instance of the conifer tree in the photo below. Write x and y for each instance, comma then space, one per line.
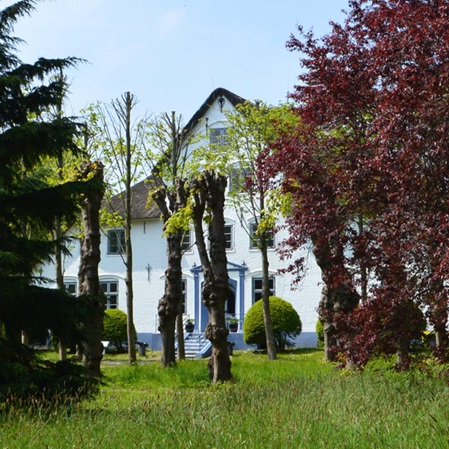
28, 206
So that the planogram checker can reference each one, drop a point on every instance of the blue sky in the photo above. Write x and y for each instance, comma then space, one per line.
172, 54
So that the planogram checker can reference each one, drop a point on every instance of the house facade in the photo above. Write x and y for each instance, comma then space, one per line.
150, 259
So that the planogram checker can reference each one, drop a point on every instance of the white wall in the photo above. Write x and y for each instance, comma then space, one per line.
150, 260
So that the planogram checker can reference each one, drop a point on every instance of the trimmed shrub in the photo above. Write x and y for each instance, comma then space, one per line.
319, 329
285, 320
115, 326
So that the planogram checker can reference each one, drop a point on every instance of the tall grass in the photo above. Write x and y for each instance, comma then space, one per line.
297, 401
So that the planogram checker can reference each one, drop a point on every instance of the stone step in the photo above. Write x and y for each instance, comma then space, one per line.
193, 344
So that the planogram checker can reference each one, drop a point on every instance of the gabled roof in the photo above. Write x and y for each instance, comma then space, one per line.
140, 190
139, 201
217, 93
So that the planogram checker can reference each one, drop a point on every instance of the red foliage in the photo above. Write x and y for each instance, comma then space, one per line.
368, 170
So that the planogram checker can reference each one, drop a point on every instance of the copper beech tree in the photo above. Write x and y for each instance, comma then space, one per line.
367, 171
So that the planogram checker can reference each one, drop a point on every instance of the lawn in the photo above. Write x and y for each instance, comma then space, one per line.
297, 401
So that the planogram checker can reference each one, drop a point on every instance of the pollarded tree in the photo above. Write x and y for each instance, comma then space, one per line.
168, 155
207, 203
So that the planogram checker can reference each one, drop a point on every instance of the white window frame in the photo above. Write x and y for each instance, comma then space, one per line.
229, 236
116, 236
110, 292
256, 293
71, 285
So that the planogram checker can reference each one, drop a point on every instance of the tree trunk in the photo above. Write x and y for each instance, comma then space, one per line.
128, 100
329, 341
338, 294
130, 300
58, 255
209, 190
25, 339
271, 343
170, 303
403, 358
441, 335
60, 279
441, 341
167, 326
180, 334
89, 285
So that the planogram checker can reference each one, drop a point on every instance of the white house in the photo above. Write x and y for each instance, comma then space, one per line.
150, 260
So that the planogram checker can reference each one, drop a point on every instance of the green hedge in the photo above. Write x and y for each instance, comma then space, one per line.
115, 325
285, 320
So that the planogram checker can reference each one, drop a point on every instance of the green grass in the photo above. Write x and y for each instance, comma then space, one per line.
297, 401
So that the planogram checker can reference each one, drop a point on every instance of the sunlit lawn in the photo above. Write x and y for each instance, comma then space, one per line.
297, 401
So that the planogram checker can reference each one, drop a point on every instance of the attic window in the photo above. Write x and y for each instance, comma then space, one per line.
218, 136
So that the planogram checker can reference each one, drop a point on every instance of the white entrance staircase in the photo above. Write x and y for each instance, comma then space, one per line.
196, 345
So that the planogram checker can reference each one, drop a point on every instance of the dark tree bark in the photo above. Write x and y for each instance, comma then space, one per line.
91, 329
58, 225
338, 294
180, 334
271, 343
402, 355
170, 304
262, 243
60, 281
168, 172
209, 191
439, 318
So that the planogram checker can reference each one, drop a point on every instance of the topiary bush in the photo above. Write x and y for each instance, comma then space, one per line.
285, 320
115, 325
